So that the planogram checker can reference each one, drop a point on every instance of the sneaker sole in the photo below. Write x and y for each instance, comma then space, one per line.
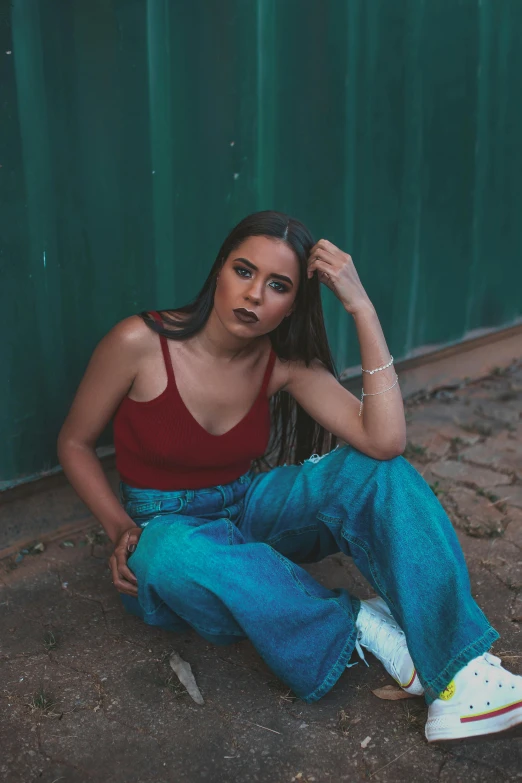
496, 727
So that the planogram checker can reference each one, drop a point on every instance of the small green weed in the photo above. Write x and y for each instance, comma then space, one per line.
436, 488
49, 641
97, 538
489, 495
415, 717
414, 450
345, 723
43, 701
174, 685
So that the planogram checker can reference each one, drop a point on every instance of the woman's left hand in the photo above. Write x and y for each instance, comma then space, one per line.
337, 271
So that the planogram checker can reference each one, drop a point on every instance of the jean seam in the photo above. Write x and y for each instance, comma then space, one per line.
232, 531
287, 533
289, 567
371, 563
329, 519
153, 611
142, 508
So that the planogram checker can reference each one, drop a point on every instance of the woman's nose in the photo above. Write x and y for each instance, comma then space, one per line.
254, 294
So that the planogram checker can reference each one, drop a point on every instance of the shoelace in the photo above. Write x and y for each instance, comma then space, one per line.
374, 639
493, 660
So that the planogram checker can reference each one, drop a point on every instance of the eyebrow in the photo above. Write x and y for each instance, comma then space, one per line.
274, 274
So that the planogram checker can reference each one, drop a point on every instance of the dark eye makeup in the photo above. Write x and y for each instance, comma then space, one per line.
282, 290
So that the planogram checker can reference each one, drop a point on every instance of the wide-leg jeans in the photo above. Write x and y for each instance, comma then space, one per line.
224, 561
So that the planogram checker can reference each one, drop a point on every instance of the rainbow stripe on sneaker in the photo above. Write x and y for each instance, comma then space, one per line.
410, 683
491, 713
413, 685
447, 715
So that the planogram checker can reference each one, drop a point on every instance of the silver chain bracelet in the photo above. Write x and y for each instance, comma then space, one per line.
384, 367
373, 394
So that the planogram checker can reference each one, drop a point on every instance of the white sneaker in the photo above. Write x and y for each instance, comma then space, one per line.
380, 634
483, 698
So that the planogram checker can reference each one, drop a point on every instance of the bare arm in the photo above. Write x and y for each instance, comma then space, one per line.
382, 414
337, 410
107, 380
82, 467
380, 431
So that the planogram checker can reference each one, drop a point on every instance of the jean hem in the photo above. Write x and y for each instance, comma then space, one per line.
434, 687
337, 669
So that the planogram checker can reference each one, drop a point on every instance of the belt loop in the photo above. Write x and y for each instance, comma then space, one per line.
189, 495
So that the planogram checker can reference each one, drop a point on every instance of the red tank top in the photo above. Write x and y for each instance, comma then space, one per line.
160, 445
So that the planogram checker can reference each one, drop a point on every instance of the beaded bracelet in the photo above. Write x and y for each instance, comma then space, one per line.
373, 394
384, 367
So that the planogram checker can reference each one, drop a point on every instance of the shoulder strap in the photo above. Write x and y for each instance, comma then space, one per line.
268, 372
164, 346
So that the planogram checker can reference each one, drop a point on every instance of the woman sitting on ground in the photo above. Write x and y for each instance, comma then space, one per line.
205, 540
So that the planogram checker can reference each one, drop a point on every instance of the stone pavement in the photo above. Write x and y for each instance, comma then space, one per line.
87, 693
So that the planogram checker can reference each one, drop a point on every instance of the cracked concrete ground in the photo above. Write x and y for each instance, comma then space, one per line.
88, 695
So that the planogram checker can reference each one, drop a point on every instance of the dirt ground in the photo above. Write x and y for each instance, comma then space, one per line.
87, 693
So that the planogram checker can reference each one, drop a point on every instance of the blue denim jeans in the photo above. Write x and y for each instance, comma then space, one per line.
224, 561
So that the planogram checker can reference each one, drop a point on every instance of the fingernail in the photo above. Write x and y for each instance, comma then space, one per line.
132, 547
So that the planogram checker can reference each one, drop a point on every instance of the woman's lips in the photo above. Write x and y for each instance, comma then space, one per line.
244, 317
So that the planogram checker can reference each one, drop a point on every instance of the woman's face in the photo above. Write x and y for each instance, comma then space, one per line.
261, 276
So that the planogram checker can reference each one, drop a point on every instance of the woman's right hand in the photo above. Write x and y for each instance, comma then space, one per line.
122, 577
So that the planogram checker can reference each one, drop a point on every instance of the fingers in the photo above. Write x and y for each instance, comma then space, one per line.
125, 572
322, 251
123, 578
321, 266
324, 245
120, 578
132, 539
121, 585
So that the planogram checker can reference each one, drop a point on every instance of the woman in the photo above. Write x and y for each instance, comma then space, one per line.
204, 540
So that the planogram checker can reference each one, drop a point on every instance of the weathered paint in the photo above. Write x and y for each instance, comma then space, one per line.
136, 133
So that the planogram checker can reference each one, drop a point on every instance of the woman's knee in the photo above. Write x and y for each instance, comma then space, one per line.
185, 554
353, 460
161, 549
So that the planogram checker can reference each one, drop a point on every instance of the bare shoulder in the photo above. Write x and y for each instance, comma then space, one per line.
288, 373
108, 377
132, 335
294, 372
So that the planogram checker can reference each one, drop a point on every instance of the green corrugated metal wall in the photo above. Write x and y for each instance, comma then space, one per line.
136, 133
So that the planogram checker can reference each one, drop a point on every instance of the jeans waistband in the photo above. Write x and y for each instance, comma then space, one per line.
127, 492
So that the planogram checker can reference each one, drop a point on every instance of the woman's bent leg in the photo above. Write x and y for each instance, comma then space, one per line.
227, 588
387, 518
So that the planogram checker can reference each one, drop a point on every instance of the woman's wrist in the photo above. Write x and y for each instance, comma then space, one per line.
115, 532
363, 309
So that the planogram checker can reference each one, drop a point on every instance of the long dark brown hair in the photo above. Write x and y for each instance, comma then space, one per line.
294, 434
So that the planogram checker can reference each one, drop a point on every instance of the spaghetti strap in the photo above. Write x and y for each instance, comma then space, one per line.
268, 371
164, 347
